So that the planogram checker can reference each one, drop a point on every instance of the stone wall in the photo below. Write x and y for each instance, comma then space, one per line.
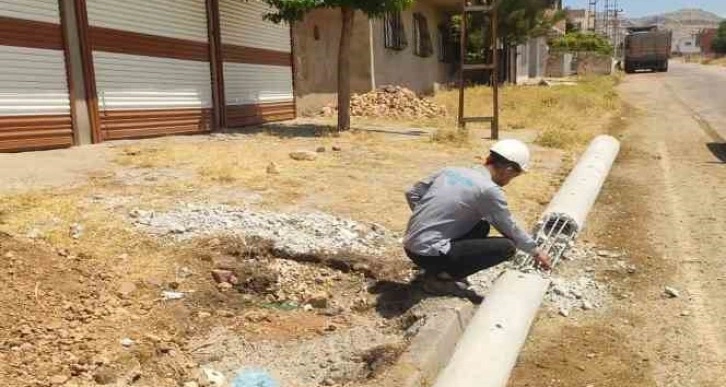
563, 64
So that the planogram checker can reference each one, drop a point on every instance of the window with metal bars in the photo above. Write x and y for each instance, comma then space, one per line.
422, 45
447, 45
394, 32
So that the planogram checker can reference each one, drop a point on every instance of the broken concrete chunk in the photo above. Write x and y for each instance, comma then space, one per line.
671, 292
126, 288
222, 275
319, 300
104, 375
303, 156
224, 286
211, 378
76, 231
273, 169
564, 312
59, 379
171, 295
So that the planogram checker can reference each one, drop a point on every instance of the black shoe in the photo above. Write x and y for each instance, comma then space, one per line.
435, 286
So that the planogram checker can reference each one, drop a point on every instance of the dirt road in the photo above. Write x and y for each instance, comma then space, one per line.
665, 207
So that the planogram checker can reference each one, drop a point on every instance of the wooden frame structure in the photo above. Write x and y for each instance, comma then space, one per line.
489, 9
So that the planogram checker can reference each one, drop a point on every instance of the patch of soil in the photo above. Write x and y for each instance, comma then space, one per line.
69, 318
64, 319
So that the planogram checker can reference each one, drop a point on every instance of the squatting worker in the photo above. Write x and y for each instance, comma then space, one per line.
448, 233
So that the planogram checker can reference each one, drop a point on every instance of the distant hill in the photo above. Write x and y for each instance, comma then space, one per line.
685, 17
684, 23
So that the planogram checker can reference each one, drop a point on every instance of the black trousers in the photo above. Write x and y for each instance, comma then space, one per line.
469, 253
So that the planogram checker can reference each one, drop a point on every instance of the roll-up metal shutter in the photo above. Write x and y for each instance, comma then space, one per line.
257, 64
34, 98
151, 61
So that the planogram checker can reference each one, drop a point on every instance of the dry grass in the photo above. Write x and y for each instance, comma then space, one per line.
453, 136
564, 116
715, 61
364, 182
106, 237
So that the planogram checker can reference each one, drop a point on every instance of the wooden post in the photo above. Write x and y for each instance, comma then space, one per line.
495, 77
462, 59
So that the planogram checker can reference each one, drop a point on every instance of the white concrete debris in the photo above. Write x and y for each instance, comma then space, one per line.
171, 295
211, 378
579, 293
671, 292
294, 233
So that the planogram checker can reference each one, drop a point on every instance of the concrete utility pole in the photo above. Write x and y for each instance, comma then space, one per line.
592, 15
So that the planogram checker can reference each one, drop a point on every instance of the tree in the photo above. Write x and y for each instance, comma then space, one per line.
518, 21
294, 10
579, 41
719, 42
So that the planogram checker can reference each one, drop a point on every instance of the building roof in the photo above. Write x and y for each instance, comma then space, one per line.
576, 13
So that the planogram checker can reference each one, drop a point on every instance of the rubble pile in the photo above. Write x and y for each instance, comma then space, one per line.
580, 290
295, 233
391, 102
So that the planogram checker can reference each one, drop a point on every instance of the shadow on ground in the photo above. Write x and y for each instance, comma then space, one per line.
718, 150
311, 130
396, 298
289, 130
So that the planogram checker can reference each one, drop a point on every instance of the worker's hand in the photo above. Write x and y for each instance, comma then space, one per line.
543, 260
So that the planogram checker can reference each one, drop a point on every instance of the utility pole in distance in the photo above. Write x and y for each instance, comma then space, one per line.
592, 14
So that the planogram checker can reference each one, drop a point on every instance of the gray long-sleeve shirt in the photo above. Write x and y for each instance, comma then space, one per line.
450, 203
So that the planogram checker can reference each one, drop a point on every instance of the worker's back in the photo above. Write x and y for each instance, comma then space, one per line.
448, 209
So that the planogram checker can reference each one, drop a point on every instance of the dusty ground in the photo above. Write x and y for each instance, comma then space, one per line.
664, 207
85, 261
95, 239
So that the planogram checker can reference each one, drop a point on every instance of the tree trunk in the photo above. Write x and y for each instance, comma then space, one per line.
346, 33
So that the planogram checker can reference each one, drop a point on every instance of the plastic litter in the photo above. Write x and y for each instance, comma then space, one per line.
170, 295
253, 378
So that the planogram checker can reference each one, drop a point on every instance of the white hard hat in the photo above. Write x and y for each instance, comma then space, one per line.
513, 150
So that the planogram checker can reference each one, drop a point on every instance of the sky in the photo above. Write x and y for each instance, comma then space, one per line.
638, 8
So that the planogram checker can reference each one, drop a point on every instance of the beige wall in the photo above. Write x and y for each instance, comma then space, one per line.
316, 61
403, 67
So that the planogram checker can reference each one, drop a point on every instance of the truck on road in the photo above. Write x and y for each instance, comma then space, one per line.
647, 48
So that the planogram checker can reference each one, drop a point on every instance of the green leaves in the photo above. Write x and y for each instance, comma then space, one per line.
293, 10
719, 42
579, 41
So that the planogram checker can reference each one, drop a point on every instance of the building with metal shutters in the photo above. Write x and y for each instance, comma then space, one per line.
257, 65
151, 62
86, 71
34, 99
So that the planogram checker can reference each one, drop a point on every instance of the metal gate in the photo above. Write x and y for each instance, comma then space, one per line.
257, 65
151, 63
34, 98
